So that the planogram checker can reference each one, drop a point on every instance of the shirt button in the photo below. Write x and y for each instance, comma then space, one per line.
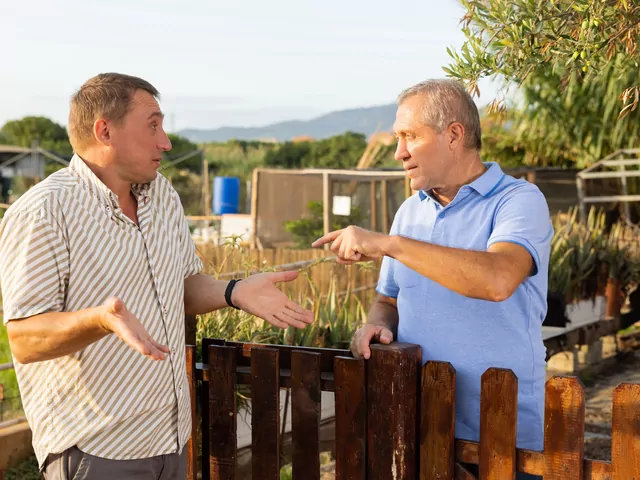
441, 215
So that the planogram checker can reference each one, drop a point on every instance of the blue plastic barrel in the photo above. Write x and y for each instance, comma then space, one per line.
226, 195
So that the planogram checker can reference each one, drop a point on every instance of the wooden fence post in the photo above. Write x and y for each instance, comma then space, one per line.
191, 446
265, 413
351, 418
392, 394
190, 329
625, 435
222, 413
564, 429
305, 414
498, 421
437, 422
204, 406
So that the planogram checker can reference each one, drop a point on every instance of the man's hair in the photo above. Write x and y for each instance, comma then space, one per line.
108, 96
446, 101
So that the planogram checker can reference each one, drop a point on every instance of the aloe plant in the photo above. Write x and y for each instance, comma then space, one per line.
576, 254
621, 256
337, 314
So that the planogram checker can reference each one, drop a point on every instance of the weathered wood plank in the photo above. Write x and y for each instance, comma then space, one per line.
462, 473
265, 413
204, 403
596, 470
392, 393
625, 435
530, 461
467, 452
243, 377
305, 414
327, 355
564, 429
498, 422
190, 329
191, 446
222, 413
351, 419
437, 423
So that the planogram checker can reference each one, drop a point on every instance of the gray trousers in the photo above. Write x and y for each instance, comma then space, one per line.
72, 464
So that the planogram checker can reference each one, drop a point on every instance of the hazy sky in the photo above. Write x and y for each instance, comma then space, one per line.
237, 62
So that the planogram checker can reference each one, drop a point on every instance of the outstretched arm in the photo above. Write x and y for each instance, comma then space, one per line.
518, 246
55, 334
490, 275
257, 295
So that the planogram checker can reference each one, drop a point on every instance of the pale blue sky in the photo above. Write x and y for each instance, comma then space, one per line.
243, 62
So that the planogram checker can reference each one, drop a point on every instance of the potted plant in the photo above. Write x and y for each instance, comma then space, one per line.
623, 267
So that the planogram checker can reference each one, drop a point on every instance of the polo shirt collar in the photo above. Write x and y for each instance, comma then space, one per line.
485, 184
99, 189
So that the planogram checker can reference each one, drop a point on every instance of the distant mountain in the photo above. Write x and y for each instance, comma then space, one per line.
360, 120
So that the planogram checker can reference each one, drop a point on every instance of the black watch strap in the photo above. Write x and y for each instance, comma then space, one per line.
227, 293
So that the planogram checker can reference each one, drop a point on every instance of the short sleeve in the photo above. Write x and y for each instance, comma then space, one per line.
523, 218
34, 270
387, 284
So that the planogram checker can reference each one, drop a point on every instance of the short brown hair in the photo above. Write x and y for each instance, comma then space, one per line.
446, 101
107, 95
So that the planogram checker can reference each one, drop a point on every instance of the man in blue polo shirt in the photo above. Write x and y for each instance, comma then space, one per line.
465, 266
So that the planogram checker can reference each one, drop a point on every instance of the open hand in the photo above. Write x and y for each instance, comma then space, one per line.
363, 338
354, 244
119, 320
259, 296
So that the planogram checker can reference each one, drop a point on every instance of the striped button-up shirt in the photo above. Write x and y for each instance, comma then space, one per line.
65, 246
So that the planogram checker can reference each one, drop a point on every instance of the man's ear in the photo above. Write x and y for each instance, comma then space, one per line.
101, 132
455, 135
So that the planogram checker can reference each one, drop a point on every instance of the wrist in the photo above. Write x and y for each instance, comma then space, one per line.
389, 245
102, 318
231, 294
380, 323
105, 315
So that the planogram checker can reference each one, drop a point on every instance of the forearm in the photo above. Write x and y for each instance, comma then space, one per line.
384, 313
52, 335
203, 294
470, 273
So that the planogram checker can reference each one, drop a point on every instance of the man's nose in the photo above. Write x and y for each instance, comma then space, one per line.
401, 151
165, 143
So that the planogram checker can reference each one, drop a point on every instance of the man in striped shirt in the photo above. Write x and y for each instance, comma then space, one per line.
98, 271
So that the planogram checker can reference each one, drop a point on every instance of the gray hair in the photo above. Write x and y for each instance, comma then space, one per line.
446, 101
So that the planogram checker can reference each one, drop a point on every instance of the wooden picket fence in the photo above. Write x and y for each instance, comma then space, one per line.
393, 418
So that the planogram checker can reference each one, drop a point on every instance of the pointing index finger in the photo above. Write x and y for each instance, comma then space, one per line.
329, 237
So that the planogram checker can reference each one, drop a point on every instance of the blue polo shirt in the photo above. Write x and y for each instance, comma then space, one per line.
475, 335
